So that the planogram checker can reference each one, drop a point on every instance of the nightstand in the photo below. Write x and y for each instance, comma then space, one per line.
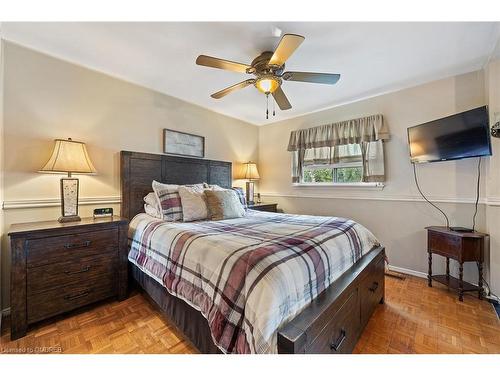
58, 267
462, 247
268, 207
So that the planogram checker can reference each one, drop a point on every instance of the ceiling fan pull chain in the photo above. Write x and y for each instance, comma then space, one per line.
274, 108
267, 106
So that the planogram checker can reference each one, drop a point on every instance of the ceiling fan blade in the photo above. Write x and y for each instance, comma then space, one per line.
214, 62
281, 99
325, 78
230, 89
288, 44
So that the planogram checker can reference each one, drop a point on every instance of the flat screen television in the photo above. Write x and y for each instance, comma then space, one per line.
464, 135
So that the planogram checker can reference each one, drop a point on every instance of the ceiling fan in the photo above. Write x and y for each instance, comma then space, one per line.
268, 69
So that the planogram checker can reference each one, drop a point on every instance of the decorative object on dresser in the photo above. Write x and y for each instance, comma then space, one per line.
263, 206
185, 144
462, 247
57, 267
69, 157
103, 212
250, 173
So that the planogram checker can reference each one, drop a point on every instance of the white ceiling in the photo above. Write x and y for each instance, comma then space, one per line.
373, 58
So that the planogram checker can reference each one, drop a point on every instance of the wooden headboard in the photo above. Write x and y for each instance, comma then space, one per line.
138, 170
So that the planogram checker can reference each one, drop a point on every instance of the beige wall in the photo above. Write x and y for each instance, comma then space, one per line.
396, 215
46, 98
492, 81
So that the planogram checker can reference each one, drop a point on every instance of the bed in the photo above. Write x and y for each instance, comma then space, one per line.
265, 283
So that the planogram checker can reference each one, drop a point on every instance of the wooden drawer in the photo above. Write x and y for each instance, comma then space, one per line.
371, 290
445, 245
68, 272
43, 251
341, 332
66, 298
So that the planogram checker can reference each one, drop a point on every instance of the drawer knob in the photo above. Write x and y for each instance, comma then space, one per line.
374, 287
77, 245
84, 269
70, 297
340, 340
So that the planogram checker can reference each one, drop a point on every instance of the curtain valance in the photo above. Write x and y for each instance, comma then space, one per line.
353, 140
356, 131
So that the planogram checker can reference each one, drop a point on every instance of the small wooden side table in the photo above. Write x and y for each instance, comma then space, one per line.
462, 247
264, 206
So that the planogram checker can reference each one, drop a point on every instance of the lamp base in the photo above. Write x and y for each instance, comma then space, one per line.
69, 219
69, 200
250, 192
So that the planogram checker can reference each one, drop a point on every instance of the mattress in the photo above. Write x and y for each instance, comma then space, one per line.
247, 276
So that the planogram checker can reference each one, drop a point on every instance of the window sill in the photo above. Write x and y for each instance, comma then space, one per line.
347, 185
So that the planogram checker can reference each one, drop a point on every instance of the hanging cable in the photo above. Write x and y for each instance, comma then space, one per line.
477, 193
267, 106
428, 201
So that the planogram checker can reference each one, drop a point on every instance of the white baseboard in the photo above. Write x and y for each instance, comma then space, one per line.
407, 271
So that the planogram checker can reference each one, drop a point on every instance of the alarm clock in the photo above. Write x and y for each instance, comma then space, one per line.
103, 212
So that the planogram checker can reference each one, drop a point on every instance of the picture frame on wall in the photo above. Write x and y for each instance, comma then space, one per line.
183, 144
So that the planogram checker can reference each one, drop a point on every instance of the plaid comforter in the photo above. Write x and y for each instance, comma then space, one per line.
248, 276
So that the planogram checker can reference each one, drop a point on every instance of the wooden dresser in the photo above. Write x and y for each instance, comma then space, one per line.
57, 267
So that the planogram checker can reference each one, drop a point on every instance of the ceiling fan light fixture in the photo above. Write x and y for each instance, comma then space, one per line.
267, 84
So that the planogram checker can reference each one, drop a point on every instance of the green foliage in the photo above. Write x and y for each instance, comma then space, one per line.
318, 175
351, 174
342, 175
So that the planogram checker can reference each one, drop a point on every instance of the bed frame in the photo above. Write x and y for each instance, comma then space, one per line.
332, 323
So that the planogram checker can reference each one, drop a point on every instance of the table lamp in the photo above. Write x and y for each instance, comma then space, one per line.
251, 174
69, 157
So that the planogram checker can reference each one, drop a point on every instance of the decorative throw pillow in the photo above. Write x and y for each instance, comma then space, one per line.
240, 193
212, 187
223, 204
194, 206
168, 200
152, 211
151, 200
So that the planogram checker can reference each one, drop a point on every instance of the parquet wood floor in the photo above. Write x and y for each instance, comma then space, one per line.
414, 319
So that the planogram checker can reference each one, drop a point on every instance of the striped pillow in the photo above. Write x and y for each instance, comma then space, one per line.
169, 200
241, 196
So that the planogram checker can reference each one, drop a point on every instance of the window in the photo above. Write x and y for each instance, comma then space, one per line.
337, 173
340, 164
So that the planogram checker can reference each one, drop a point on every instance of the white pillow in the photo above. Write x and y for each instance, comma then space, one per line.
151, 200
194, 205
152, 211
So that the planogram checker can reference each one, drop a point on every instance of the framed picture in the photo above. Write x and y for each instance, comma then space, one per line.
184, 144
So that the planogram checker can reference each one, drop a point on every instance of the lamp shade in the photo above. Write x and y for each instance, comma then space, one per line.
250, 171
69, 156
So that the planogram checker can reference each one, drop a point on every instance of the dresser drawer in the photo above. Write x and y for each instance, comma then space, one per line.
49, 250
341, 332
66, 298
445, 245
371, 290
53, 276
